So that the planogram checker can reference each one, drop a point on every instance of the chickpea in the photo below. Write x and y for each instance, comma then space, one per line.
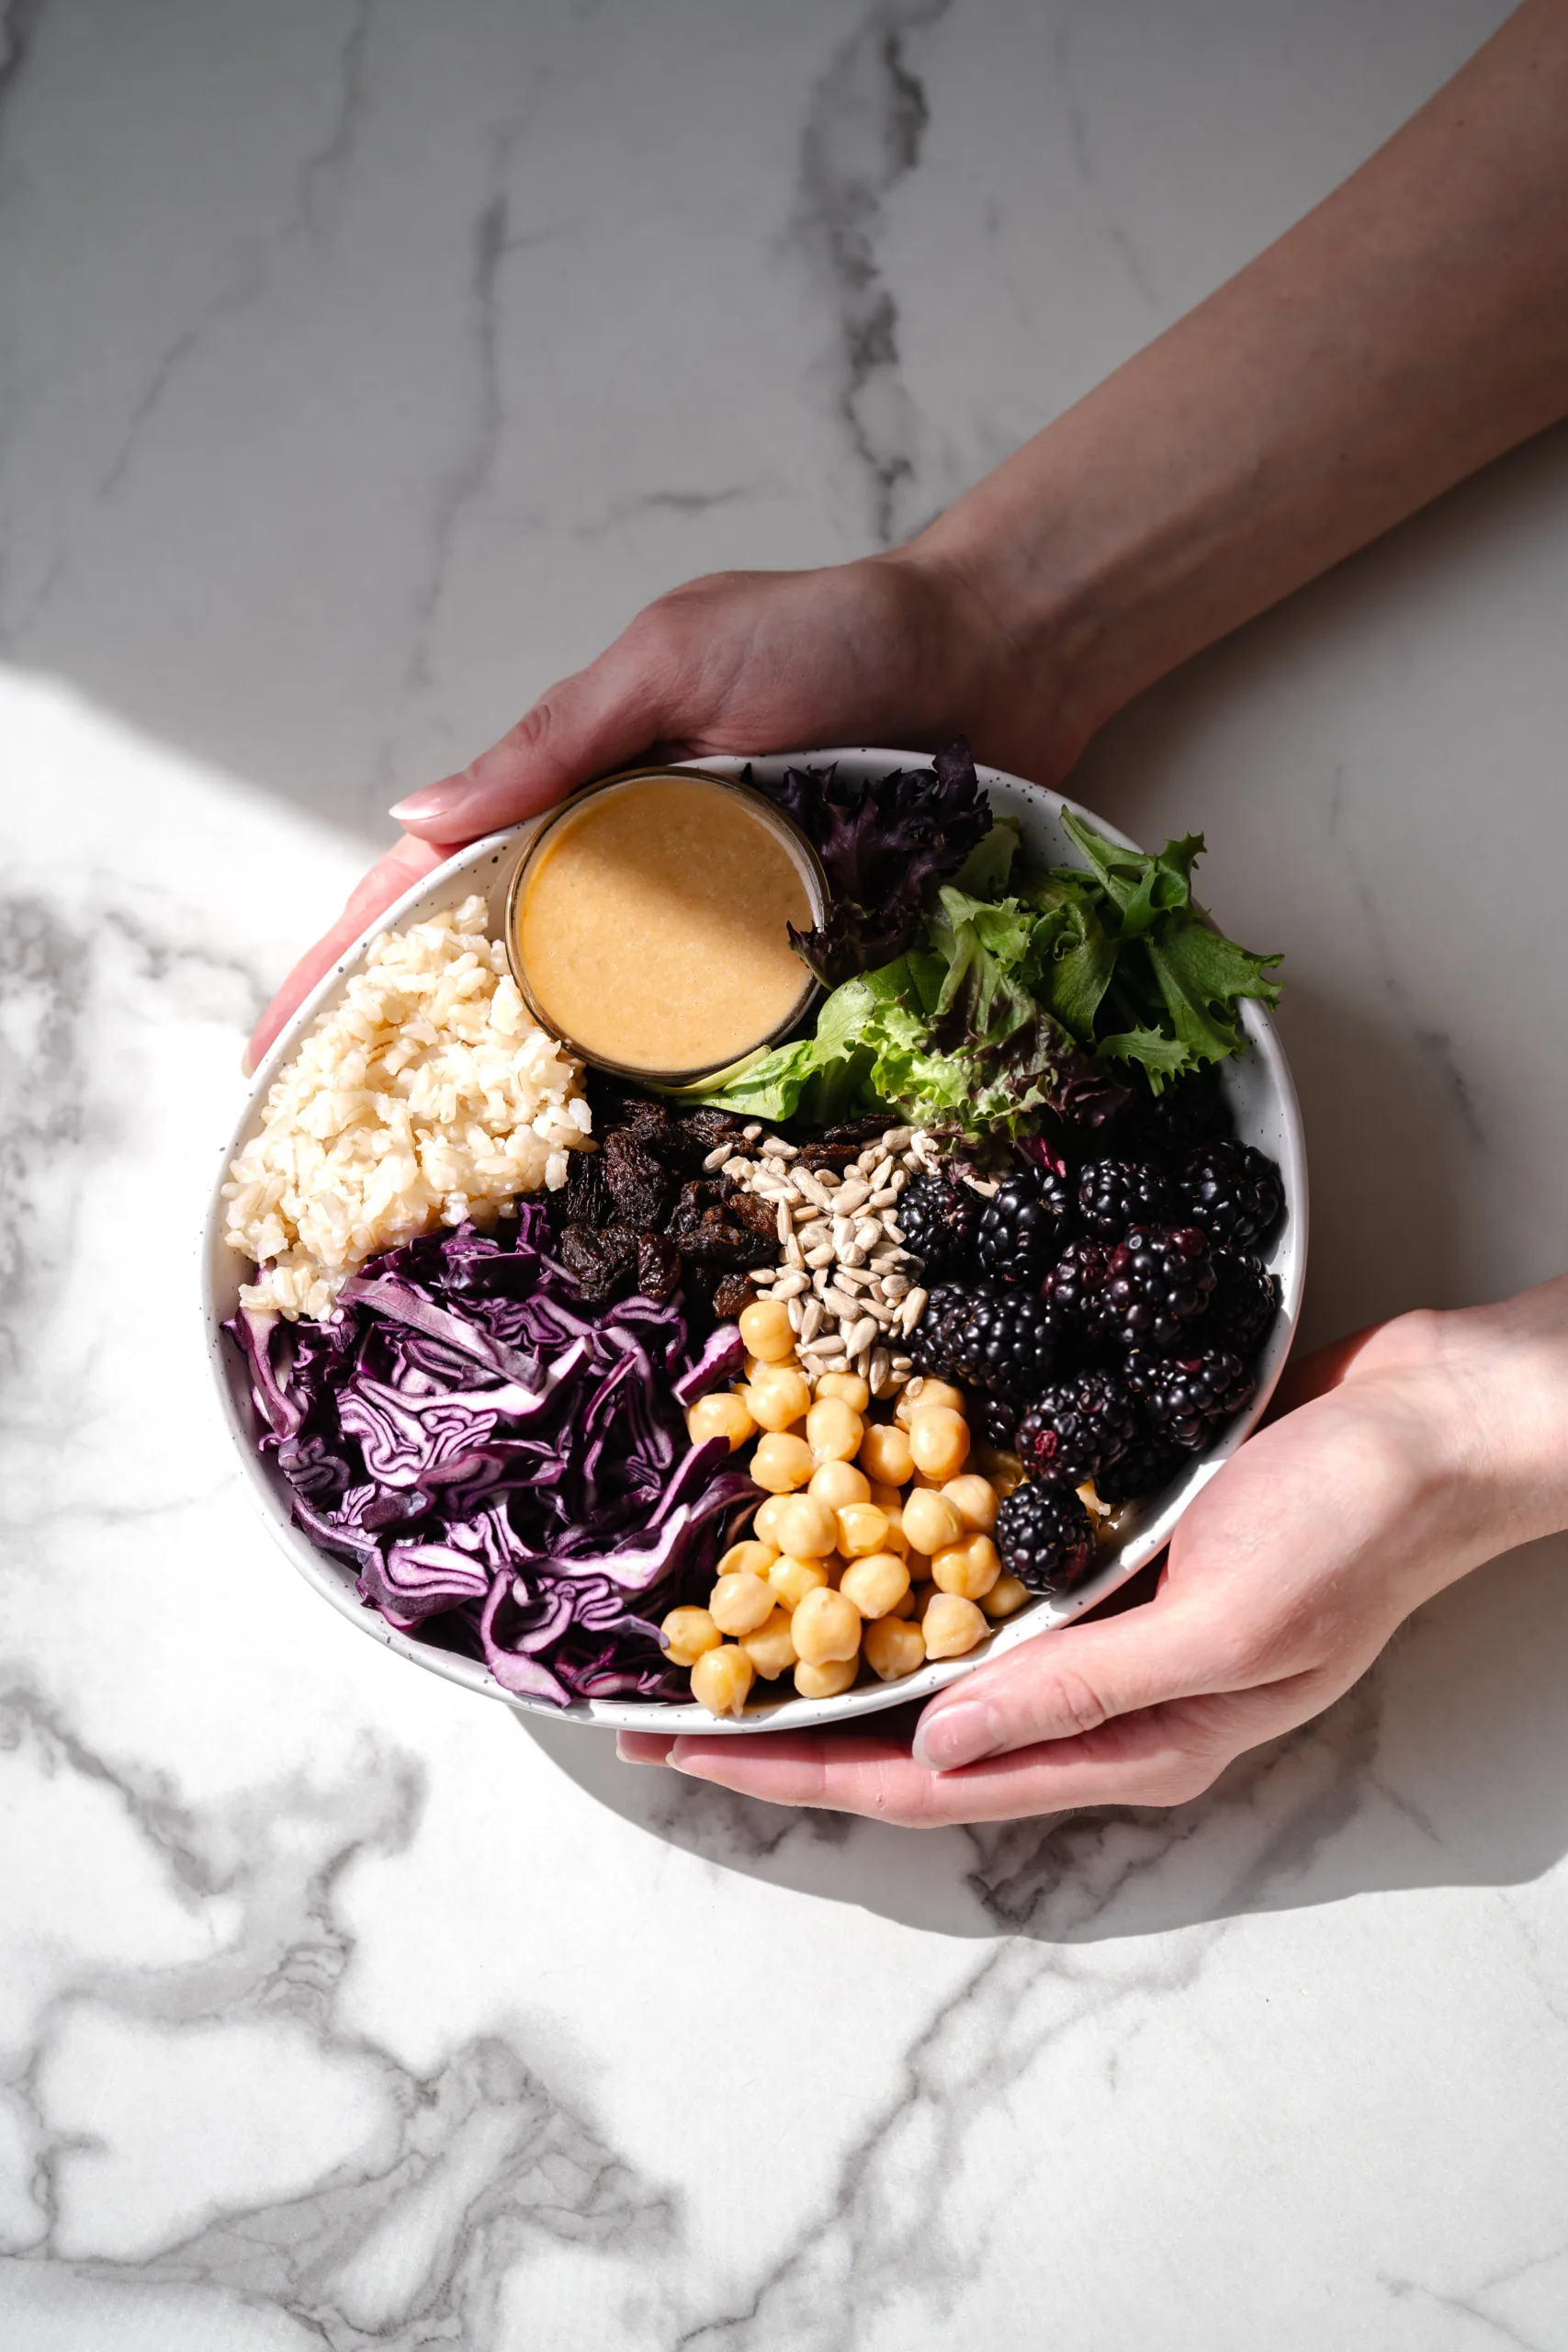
827, 1681
884, 1496
724, 1414
853, 1390
884, 1453
807, 1528
971, 1567
779, 1397
688, 1632
765, 1329
1006, 1598
893, 1649
907, 1607
765, 1526
839, 1484
721, 1680
862, 1528
975, 1501
771, 1647
930, 1522
833, 1430
876, 1585
952, 1625
791, 1580
755, 1557
826, 1626
922, 1396
738, 1603
781, 1464
939, 1441
896, 1540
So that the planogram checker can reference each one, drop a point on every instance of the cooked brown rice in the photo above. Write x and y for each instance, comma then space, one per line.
426, 1095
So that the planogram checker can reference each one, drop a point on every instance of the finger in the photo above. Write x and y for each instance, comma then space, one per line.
1165, 1756
1072, 1680
602, 718
405, 864
644, 1746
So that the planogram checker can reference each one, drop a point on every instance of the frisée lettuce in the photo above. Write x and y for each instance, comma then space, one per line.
1006, 1003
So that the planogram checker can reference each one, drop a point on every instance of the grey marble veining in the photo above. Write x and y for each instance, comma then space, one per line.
362, 366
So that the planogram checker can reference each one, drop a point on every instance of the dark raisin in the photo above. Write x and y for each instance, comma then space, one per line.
603, 1262
732, 1296
658, 1267
641, 1188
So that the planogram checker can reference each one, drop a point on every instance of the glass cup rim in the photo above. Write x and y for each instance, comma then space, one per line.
780, 825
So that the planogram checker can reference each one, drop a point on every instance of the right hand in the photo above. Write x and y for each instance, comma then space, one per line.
895, 649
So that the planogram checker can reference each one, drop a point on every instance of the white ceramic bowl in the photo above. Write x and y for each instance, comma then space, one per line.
1262, 1096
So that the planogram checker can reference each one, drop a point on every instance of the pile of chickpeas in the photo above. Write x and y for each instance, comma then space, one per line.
873, 1546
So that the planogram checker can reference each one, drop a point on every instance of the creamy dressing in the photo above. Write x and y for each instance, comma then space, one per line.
653, 930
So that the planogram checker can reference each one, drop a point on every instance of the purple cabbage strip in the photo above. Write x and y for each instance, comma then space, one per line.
507, 1469
723, 1356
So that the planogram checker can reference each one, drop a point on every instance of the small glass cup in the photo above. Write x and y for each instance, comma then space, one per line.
704, 1079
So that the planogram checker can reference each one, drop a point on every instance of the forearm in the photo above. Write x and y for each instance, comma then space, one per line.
1406, 332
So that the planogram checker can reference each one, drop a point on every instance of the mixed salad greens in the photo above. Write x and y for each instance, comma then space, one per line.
969, 1000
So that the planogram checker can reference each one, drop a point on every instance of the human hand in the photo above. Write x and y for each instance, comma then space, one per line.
1417, 1451
895, 649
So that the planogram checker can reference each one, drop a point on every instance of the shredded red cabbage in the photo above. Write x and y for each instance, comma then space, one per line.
507, 1469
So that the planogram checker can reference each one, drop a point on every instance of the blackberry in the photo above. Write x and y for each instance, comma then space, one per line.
1078, 1427
1115, 1193
1190, 1110
937, 1334
937, 1220
1022, 1229
1149, 1463
1244, 1303
1233, 1192
1000, 1342
1159, 1281
995, 1420
1045, 1537
1075, 1283
1186, 1397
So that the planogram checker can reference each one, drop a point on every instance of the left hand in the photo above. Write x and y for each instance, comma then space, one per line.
1421, 1450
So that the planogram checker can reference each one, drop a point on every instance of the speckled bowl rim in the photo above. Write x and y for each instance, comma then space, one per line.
1258, 1083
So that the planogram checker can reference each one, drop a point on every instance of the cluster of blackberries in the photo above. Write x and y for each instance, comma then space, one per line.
1105, 1319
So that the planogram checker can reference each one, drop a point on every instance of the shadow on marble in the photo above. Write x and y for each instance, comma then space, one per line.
1445, 1766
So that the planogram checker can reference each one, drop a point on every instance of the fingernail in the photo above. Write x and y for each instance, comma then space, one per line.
685, 1763
958, 1735
432, 800
247, 1067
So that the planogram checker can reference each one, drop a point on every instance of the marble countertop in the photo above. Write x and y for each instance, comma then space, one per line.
363, 366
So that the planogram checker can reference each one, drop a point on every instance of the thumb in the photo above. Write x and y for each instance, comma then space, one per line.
1065, 1683
599, 718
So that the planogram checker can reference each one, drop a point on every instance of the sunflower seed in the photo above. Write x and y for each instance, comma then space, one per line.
790, 1286
821, 1256
897, 1138
812, 1318
884, 1197
794, 1254
795, 1313
750, 1131
715, 1158
784, 1226
851, 1194
910, 1312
